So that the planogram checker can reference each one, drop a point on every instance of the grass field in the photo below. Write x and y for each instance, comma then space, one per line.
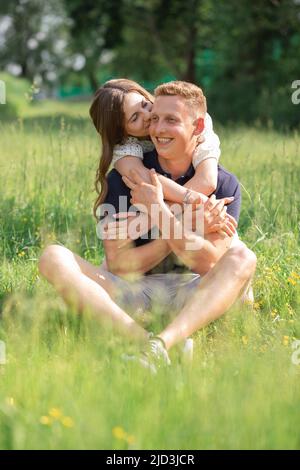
64, 386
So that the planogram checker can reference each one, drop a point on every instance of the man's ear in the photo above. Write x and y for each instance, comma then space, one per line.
199, 126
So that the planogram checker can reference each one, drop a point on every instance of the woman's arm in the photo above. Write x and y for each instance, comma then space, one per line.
206, 177
173, 192
204, 181
205, 160
128, 163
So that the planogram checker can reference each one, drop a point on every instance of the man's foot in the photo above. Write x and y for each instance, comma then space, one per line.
153, 357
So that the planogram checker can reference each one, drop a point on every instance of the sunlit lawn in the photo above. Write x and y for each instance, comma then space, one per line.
64, 385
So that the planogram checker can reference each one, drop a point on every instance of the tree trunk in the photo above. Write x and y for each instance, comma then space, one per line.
190, 72
93, 79
24, 70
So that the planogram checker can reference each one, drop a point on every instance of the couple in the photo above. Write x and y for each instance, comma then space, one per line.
193, 278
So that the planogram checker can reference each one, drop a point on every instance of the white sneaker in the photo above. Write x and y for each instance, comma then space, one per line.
153, 357
188, 350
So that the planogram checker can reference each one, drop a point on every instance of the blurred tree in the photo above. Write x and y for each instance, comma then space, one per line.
34, 37
162, 37
245, 54
95, 32
257, 57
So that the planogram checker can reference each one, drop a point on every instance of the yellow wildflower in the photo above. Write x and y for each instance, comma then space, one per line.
285, 340
245, 340
291, 311
130, 439
46, 420
67, 422
55, 413
10, 401
295, 275
119, 433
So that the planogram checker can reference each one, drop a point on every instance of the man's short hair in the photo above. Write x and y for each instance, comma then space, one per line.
192, 93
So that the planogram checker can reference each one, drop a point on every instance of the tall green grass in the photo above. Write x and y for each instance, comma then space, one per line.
64, 385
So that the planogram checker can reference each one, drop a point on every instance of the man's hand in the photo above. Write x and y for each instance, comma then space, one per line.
216, 218
214, 214
128, 226
144, 193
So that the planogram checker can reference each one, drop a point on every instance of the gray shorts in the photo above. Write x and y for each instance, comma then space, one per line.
161, 293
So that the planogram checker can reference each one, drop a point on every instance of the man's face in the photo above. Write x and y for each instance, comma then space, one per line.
172, 127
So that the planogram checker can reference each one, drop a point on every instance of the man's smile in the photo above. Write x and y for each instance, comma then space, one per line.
163, 140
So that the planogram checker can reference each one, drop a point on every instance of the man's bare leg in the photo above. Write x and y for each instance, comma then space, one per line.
86, 287
247, 295
218, 290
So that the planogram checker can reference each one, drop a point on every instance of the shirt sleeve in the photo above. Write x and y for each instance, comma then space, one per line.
130, 147
234, 207
210, 147
117, 198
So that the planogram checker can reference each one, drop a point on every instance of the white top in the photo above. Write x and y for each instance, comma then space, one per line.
209, 148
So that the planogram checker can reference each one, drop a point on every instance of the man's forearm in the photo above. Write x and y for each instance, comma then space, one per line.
193, 249
131, 259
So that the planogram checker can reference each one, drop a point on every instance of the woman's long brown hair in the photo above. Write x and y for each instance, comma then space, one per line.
108, 117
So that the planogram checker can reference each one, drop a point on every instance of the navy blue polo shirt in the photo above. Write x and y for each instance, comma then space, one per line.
227, 186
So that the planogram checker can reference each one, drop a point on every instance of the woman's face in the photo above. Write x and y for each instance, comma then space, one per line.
137, 112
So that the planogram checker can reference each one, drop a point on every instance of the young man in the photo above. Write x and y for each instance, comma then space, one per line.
216, 272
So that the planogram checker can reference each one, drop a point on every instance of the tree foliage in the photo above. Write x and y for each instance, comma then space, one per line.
244, 54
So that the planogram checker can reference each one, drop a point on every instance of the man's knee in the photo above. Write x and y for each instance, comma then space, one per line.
52, 257
244, 260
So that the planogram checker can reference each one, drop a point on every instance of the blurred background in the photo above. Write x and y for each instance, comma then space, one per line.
245, 54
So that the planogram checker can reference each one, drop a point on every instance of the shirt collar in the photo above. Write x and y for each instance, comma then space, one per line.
181, 180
